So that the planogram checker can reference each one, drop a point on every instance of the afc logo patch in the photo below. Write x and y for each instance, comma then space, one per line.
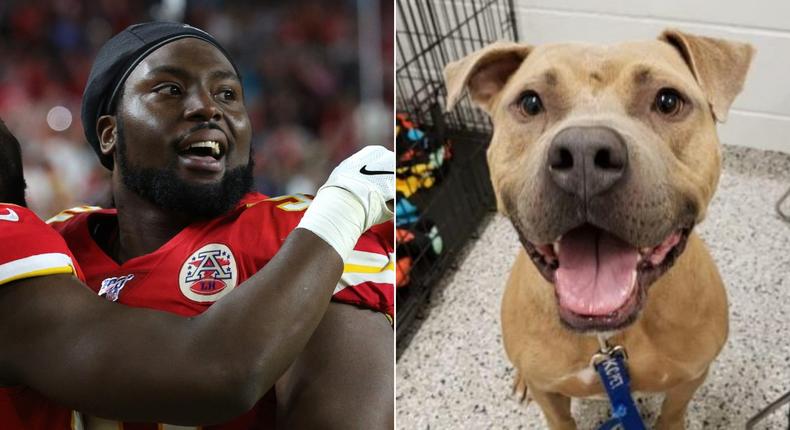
208, 274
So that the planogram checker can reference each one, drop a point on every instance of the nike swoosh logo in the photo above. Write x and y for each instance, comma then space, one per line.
364, 170
10, 216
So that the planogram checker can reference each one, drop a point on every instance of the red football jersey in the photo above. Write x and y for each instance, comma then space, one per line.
31, 248
208, 259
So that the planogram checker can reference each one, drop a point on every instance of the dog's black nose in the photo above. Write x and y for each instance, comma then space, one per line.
587, 161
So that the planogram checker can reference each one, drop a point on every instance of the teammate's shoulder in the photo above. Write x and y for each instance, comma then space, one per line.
71, 214
37, 249
19, 220
72, 220
10, 212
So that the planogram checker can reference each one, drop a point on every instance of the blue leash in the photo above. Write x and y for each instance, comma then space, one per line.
609, 362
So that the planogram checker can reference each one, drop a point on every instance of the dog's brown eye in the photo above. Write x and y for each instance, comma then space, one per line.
669, 101
530, 103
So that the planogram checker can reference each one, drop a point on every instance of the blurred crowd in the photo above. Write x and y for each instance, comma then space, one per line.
299, 62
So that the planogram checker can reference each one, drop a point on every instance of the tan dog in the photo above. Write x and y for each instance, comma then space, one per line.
604, 158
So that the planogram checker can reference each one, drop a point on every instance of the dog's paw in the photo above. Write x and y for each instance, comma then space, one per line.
520, 390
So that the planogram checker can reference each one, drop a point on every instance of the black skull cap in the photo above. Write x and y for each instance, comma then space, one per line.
116, 60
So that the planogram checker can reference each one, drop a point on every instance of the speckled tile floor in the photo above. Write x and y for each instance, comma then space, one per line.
454, 374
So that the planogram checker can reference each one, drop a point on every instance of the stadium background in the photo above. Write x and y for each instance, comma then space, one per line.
310, 102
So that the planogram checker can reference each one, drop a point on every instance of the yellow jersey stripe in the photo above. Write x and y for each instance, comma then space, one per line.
36, 273
359, 268
36, 265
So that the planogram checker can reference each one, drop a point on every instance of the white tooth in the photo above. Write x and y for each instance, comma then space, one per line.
214, 146
205, 144
556, 247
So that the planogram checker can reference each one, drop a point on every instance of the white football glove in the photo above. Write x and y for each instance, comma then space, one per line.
353, 199
369, 176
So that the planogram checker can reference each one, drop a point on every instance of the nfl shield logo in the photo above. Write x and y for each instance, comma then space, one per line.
111, 287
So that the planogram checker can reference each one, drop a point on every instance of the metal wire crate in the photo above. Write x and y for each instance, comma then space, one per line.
430, 34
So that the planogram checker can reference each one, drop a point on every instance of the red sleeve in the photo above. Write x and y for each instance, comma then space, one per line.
368, 277
35, 248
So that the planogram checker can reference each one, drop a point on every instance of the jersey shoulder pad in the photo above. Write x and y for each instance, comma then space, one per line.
286, 203
69, 214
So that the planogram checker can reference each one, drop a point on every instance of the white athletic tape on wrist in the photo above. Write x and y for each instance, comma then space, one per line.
374, 207
337, 217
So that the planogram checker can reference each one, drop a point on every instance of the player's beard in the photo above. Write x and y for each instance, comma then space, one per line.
164, 188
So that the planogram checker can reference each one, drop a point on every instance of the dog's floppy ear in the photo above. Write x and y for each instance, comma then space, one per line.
484, 72
719, 66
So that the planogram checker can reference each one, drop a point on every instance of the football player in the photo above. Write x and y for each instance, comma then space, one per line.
164, 110
60, 339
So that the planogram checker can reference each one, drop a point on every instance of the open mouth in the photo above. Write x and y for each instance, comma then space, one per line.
203, 156
206, 148
600, 280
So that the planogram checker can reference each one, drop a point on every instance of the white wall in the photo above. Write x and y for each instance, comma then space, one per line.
760, 117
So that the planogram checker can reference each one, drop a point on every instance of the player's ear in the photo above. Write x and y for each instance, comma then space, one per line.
107, 130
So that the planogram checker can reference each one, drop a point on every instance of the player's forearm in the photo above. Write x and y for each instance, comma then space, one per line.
259, 330
144, 365
110, 360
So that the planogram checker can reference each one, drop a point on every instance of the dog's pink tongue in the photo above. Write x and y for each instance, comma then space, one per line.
597, 272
